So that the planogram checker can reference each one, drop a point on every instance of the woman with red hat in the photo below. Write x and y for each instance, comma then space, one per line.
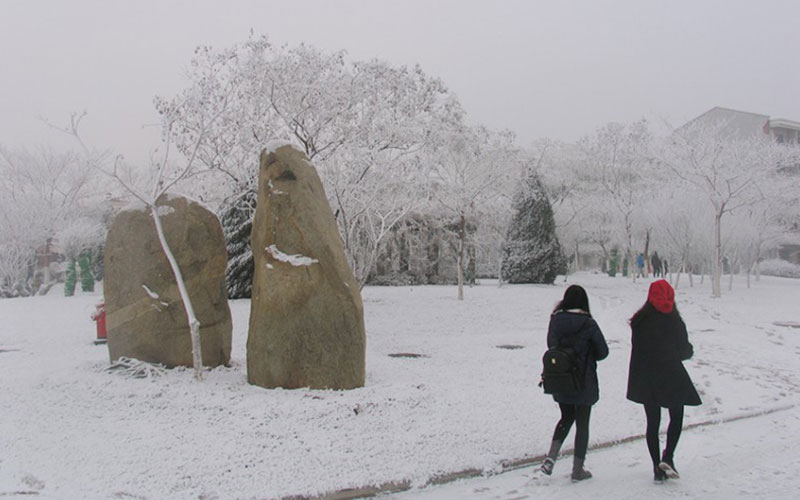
656, 376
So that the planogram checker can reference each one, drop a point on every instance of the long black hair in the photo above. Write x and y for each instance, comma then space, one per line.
574, 298
648, 310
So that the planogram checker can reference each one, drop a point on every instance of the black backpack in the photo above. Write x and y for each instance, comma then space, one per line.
560, 371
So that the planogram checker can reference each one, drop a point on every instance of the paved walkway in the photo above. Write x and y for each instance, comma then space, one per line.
750, 458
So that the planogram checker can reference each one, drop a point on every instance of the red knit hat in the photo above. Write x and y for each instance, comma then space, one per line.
662, 296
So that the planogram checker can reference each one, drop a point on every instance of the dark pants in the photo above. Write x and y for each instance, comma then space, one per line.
653, 414
579, 414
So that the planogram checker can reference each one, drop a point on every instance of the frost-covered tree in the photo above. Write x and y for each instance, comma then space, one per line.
473, 170
42, 193
364, 125
531, 251
730, 173
618, 164
236, 216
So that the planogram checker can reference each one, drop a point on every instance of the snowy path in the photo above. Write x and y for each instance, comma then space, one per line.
749, 458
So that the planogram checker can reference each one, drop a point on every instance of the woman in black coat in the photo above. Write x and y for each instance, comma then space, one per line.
572, 325
656, 377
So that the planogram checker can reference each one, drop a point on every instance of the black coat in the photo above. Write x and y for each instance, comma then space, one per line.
656, 375
580, 332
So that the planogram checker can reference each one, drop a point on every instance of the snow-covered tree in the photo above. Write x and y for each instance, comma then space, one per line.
42, 193
531, 251
236, 217
474, 168
731, 173
618, 164
363, 124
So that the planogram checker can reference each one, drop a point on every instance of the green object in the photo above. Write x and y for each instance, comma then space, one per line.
613, 263
85, 264
625, 266
69, 280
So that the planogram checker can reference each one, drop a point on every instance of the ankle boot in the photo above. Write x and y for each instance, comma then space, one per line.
578, 472
550, 461
668, 466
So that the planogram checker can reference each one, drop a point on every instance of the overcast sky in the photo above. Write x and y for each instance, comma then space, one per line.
556, 69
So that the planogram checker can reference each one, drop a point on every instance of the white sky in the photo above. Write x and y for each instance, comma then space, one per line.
556, 69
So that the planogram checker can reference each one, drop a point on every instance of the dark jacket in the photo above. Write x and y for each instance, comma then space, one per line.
656, 375
580, 332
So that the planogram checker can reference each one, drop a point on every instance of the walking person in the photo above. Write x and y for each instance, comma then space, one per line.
572, 325
655, 260
656, 376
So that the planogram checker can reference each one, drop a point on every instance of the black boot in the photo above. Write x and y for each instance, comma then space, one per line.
659, 476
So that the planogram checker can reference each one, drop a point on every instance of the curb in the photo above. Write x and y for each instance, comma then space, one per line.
508, 465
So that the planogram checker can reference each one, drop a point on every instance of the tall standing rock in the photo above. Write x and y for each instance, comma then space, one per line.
306, 316
145, 316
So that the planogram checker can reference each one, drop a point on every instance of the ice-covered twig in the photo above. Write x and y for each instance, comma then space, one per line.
134, 368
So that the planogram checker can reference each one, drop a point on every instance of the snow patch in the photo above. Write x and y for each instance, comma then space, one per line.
272, 189
295, 260
164, 210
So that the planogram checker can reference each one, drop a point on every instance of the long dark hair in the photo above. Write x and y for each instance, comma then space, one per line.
574, 298
648, 310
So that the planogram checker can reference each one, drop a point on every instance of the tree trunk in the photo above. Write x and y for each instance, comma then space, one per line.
647, 253
577, 257
681, 267
716, 267
462, 233
194, 325
500, 271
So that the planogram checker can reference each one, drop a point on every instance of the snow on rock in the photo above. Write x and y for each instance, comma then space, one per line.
295, 260
163, 210
153, 295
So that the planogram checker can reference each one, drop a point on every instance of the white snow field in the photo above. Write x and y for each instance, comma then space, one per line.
70, 429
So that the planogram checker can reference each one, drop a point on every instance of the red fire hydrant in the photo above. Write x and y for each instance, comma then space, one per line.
99, 316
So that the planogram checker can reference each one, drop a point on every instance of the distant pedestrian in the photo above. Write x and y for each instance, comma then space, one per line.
656, 376
666, 267
572, 325
655, 260
640, 265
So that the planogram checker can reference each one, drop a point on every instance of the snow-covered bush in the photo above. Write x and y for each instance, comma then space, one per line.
236, 217
531, 251
780, 267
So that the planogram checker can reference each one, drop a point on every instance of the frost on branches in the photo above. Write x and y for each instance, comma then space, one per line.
531, 252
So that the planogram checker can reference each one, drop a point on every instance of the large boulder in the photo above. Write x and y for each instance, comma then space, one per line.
306, 315
145, 316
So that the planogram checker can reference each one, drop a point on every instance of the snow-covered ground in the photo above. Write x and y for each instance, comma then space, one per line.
70, 429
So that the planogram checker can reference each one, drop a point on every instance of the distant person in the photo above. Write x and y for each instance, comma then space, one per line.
640, 265
666, 267
655, 261
572, 325
656, 376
